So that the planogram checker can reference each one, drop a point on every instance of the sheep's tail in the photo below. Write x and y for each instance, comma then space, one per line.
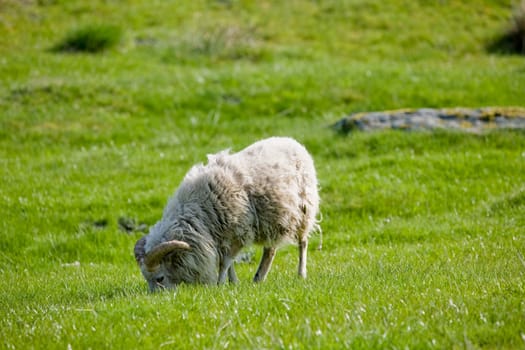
319, 229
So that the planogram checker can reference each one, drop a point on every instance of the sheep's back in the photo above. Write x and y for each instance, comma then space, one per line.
282, 189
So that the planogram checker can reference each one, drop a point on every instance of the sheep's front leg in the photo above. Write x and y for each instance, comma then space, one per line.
225, 266
232, 276
265, 264
303, 248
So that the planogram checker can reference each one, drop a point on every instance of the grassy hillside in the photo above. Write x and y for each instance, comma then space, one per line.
423, 232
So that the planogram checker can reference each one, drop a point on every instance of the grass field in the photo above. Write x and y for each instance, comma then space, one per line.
423, 245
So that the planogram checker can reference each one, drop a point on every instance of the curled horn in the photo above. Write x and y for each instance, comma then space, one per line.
140, 250
152, 259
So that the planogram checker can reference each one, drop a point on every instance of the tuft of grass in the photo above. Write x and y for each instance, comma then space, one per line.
92, 38
215, 42
519, 26
513, 40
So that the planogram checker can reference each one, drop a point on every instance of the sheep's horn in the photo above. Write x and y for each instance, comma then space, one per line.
152, 259
140, 249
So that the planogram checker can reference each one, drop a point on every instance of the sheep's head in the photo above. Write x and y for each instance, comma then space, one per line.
171, 263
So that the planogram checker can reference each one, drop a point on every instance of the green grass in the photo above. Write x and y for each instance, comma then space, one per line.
423, 232
90, 39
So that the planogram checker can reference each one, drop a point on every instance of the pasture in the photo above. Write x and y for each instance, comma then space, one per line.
424, 241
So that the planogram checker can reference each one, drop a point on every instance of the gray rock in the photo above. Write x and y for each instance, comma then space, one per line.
470, 120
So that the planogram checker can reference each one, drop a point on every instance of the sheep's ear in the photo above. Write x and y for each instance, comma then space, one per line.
140, 251
153, 258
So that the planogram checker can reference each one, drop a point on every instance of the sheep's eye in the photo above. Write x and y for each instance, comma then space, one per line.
159, 279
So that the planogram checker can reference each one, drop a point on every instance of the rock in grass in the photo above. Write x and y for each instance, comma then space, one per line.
129, 225
470, 120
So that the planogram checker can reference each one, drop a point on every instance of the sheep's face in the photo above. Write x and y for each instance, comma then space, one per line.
177, 268
159, 279
175, 262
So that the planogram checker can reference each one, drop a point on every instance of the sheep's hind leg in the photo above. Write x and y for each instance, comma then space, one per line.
265, 264
303, 249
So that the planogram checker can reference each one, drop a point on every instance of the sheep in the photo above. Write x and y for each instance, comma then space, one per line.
265, 194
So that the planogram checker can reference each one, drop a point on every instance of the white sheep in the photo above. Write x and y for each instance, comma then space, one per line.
265, 194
